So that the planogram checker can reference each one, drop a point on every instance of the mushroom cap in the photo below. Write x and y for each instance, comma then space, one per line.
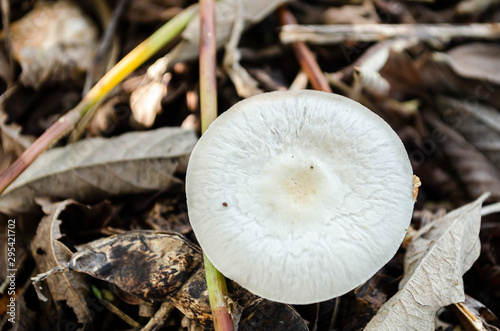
299, 196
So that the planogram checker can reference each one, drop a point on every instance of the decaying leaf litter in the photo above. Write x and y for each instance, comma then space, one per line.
439, 94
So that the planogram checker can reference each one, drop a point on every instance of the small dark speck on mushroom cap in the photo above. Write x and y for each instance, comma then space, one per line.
224, 204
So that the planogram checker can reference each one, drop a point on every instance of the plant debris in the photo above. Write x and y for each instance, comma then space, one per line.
102, 216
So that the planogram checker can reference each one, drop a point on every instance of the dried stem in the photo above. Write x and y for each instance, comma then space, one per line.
305, 56
122, 69
216, 283
331, 34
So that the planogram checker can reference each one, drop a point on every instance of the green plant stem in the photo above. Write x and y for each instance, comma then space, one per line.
121, 70
216, 283
217, 294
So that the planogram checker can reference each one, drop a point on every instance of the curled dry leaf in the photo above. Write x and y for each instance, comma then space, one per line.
49, 253
372, 81
367, 73
160, 266
98, 168
145, 101
475, 170
147, 264
438, 256
478, 123
54, 42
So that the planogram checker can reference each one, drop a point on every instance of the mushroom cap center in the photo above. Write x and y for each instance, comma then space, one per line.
294, 187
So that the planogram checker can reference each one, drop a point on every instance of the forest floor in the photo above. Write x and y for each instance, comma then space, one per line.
431, 69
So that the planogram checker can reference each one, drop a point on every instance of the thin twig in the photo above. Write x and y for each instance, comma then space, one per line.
122, 69
332, 34
216, 283
104, 58
38, 278
120, 313
490, 209
160, 317
101, 57
305, 56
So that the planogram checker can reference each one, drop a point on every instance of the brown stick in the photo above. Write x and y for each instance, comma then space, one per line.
332, 34
52, 134
305, 56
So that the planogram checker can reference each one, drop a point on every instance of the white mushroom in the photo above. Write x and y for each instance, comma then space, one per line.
299, 196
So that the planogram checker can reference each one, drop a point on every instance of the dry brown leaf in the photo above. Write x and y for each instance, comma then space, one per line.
171, 269
438, 256
145, 101
367, 73
54, 42
404, 82
438, 76
192, 298
97, 168
476, 61
147, 264
49, 253
477, 122
475, 170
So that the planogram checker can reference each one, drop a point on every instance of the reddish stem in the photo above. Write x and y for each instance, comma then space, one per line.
208, 82
305, 56
216, 283
56, 130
